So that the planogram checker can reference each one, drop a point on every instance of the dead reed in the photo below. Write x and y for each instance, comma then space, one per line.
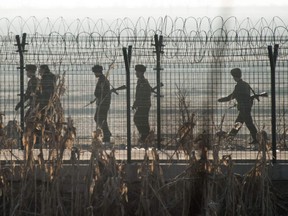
49, 187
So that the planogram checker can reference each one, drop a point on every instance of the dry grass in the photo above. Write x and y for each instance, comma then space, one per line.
45, 187
101, 188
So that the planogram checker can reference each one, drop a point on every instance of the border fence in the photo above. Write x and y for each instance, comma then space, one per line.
194, 63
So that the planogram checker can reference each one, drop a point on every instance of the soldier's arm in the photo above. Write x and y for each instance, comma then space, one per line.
26, 96
31, 88
227, 98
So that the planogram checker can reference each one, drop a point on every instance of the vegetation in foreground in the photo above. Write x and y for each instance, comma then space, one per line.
205, 187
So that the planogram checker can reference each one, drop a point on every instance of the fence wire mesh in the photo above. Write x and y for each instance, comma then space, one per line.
198, 56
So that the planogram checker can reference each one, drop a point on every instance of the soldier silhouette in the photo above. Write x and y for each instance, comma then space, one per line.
102, 94
31, 90
242, 95
142, 103
31, 95
47, 85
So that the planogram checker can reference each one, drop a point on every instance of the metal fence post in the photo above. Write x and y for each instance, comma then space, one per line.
158, 46
273, 59
21, 50
127, 61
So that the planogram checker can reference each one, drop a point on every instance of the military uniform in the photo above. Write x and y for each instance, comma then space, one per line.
242, 94
31, 91
47, 87
31, 94
142, 104
102, 94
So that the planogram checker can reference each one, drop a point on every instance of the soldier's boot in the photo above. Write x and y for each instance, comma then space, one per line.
107, 139
254, 139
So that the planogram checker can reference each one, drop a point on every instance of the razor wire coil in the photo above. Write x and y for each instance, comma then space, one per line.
188, 40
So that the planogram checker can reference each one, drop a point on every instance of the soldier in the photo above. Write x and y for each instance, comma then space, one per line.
47, 85
102, 94
32, 89
31, 94
244, 105
142, 103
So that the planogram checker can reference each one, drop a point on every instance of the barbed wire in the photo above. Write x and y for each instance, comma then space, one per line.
198, 55
186, 40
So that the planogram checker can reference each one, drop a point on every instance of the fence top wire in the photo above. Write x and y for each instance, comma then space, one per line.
186, 40
166, 26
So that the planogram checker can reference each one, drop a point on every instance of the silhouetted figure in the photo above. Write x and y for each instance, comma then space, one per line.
47, 86
242, 93
31, 91
142, 104
45, 105
102, 94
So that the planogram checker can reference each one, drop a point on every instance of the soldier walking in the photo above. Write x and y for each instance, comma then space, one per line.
242, 95
47, 86
31, 94
142, 103
31, 90
102, 94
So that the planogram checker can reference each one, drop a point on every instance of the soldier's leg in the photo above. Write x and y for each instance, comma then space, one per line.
233, 132
137, 120
96, 115
103, 123
106, 131
251, 127
145, 123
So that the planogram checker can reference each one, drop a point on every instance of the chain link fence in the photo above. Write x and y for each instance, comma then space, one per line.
198, 54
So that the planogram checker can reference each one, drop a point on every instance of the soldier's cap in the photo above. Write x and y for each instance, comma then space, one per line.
31, 67
97, 68
45, 67
236, 72
140, 68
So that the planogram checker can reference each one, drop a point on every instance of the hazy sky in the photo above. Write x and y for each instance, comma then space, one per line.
112, 9
136, 3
